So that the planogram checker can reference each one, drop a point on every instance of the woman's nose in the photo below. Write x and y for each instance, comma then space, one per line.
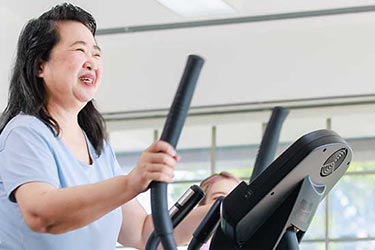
90, 65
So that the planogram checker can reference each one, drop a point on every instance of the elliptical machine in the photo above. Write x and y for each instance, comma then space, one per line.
276, 208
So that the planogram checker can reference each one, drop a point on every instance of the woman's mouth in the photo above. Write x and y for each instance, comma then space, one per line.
87, 79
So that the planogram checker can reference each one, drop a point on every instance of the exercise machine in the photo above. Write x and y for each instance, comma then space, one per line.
276, 208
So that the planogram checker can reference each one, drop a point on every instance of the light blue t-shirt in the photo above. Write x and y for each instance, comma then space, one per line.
29, 151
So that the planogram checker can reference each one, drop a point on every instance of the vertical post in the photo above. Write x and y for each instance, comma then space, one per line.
213, 150
156, 135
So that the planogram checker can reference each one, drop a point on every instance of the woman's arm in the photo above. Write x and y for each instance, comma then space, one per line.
47, 209
51, 210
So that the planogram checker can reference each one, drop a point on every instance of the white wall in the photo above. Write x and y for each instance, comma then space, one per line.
254, 62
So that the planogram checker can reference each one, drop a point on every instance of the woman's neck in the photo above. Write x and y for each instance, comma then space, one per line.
66, 119
72, 134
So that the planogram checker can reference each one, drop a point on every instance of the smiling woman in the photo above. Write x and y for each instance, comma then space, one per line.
73, 71
61, 186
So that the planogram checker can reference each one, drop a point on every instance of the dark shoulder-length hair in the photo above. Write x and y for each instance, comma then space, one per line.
27, 93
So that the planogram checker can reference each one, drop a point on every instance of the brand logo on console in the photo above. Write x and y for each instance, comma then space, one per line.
333, 162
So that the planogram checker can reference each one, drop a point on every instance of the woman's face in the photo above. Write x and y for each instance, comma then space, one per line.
220, 187
73, 72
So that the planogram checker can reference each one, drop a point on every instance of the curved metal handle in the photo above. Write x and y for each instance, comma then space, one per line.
171, 133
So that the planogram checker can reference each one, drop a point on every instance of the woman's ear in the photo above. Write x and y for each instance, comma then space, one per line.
41, 70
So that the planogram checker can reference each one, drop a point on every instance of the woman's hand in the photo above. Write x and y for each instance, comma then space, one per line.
156, 163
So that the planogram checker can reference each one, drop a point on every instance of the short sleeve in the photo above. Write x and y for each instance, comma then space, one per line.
116, 168
26, 156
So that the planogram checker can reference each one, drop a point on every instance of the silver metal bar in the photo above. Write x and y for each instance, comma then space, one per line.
236, 20
315, 102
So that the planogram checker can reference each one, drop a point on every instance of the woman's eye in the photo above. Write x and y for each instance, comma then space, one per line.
215, 197
80, 49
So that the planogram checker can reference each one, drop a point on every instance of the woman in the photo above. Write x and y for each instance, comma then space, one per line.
60, 184
215, 186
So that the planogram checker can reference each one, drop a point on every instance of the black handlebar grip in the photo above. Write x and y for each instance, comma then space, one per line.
171, 133
181, 103
268, 145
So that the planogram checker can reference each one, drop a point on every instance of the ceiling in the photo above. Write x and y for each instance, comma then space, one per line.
113, 13
247, 60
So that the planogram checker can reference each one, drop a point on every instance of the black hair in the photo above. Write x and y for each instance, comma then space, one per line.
27, 93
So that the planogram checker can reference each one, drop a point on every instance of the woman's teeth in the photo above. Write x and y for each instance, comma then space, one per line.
86, 80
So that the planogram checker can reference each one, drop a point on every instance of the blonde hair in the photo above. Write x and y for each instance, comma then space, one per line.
212, 178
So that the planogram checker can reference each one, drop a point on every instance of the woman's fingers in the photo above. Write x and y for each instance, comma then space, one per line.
160, 158
144, 173
156, 163
162, 146
159, 172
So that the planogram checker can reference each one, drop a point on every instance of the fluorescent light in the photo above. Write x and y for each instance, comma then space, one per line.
193, 8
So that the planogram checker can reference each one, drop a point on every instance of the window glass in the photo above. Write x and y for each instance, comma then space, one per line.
352, 210
238, 160
312, 246
299, 123
194, 164
358, 245
363, 154
236, 147
362, 125
129, 144
194, 149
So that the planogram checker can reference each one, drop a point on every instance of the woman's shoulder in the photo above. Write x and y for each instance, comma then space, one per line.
25, 123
